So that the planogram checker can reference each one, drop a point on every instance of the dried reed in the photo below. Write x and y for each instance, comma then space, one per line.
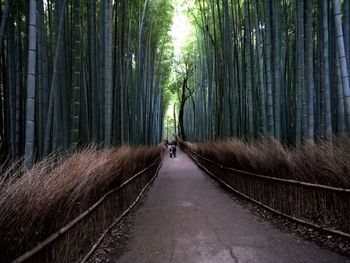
36, 203
324, 163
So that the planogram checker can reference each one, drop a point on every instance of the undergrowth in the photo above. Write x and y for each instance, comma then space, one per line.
36, 203
322, 163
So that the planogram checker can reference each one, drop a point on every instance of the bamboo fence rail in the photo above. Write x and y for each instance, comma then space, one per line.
323, 207
336, 189
48, 251
95, 246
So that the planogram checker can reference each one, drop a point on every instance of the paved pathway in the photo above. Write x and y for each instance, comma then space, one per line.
187, 217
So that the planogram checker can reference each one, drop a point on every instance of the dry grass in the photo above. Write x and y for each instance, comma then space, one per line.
36, 203
319, 163
322, 163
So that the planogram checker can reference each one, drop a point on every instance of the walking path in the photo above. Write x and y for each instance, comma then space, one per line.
187, 217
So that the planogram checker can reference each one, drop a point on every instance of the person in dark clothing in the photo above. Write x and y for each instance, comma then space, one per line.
173, 150
170, 151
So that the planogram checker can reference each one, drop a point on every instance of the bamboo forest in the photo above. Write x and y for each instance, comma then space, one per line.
76, 72
95, 93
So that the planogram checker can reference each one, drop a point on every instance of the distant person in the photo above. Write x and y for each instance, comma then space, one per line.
173, 149
166, 144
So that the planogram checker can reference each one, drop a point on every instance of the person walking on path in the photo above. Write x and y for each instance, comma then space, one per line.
172, 150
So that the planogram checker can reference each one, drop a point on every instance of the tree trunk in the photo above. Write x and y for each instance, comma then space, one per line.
181, 110
277, 68
93, 70
77, 64
340, 102
260, 59
175, 122
108, 72
4, 21
327, 88
342, 59
310, 70
270, 117
49, 122
249, 72
30, 105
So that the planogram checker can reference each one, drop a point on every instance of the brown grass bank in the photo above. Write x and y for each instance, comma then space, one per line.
322, 164
37, 203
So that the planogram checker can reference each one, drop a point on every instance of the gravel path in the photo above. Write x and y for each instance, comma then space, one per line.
186, 217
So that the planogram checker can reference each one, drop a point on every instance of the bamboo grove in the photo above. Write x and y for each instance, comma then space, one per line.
75, 72
273, 67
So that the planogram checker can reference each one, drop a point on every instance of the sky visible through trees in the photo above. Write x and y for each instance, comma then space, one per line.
135, 72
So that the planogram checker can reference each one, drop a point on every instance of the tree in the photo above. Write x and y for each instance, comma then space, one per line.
93, 72
327, 88
108, 83
277, 67
75, 100
261, 80
310, 70
30, 105
270, 116
342, 59
4, 21
292, 92
185, 94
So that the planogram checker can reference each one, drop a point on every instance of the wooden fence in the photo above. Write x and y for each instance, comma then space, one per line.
77, 240
324, 207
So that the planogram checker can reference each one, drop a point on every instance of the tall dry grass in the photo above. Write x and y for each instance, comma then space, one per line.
36, 203
322, 163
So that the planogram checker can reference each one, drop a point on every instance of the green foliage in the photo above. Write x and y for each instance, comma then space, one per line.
251, 71
137, 78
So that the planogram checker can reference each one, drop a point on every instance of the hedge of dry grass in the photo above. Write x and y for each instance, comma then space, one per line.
323, 163
37, 203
